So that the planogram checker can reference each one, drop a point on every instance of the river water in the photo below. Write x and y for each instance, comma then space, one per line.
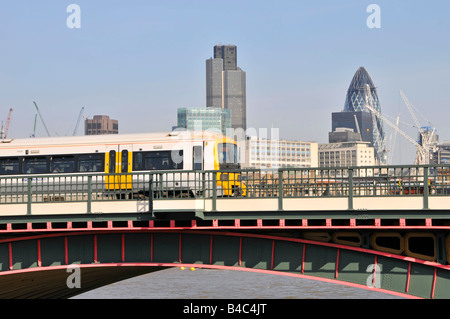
175, 283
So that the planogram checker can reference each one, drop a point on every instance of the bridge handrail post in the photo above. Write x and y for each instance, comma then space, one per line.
204, 184
280, 189
214, 189
425, 187
150, 193
29, 195
89, 195
350, 188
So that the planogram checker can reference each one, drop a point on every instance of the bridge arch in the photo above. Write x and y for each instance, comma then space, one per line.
123, 254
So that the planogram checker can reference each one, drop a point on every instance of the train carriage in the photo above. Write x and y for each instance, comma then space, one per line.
124, 162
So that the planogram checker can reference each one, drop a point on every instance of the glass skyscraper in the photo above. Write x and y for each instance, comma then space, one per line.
202, 119
362, 93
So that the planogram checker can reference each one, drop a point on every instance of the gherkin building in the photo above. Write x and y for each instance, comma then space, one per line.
361, 94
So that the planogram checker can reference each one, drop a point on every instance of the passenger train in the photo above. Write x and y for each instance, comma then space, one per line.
118, 154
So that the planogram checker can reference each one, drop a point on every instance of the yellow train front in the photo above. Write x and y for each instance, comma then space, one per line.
226, 160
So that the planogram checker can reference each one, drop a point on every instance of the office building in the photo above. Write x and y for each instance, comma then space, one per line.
202, 119
226, 85
359, 122
101, 124
348, 154
441, 155
214, 83
228, 53
357, 114
274, 154
343, 134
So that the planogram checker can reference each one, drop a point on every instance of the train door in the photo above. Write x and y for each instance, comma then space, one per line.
111, 166
118, 160
125, 166
197, 156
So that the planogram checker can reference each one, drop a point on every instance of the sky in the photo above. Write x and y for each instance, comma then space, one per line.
138, 61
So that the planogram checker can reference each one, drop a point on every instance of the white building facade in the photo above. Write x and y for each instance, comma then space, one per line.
346, 154
274, 154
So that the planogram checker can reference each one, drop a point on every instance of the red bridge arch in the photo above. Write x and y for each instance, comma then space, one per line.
37, 266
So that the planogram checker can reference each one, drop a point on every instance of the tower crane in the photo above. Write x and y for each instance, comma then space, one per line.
357, 127
40, 116
34, 127
7, 122
78, 121
408, 105
423, 154
369, 103
4, 132
392, 148
426, 138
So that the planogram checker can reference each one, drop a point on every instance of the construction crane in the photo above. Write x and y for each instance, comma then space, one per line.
7, 122
78, 121
40, 116
423, 154
425, 137
34, 127
413, 115
369, 102
4, 132
392, 148
357, 128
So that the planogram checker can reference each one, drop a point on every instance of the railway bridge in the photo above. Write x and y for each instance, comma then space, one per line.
380, 228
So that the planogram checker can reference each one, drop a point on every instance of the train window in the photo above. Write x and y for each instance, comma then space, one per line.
91, 163
62, 164
137, 161
162, 160
35, 165
227, 153
228, 156
124, 161
157, 161
9, 166
197, 157
112, 162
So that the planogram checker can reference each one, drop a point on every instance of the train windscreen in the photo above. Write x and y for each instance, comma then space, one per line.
228, 156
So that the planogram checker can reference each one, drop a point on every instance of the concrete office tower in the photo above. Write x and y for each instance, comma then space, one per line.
357, 116
101, 124
228, 53
226, 84
214, 85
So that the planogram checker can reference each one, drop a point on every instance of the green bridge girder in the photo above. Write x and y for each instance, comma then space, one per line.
36, 266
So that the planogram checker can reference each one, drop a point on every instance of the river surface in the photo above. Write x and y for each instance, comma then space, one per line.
175, 283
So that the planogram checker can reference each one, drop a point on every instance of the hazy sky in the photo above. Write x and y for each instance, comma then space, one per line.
138, 61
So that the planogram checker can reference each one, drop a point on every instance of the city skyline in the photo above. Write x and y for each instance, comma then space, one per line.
125, 62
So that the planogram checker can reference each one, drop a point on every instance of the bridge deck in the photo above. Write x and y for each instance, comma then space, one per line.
261, 205
368, 189
350, 207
